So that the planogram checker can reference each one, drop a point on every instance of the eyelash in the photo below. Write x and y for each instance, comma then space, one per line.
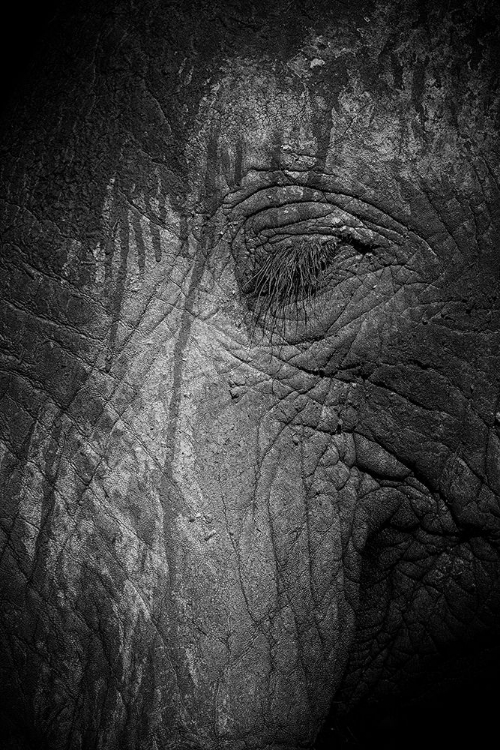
291, 273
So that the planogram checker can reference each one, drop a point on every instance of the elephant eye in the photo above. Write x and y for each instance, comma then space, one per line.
293, 272
294, 245
290, 273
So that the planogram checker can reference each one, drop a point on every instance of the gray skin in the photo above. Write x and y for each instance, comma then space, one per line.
250, 384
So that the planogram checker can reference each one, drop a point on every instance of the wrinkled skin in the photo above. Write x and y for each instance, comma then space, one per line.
250, 418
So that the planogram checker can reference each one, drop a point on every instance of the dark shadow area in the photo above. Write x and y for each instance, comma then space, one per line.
23, 34
463, 714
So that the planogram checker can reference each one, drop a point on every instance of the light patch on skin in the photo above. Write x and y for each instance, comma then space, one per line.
108, 201
73, 248
251, 106
197, 371
405, 129
101, 524
318, 50
192, 660
224, 714
271, 121
136, 607
99, 256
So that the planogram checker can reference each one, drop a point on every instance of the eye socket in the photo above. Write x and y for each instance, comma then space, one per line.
292, 249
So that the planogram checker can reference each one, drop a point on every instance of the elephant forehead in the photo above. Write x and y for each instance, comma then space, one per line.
353, 98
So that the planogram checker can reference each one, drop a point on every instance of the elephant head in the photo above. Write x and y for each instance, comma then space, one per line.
250, 441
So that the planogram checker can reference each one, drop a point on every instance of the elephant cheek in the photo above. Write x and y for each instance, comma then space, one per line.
261, 569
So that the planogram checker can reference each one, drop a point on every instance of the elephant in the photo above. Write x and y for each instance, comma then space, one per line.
250, 420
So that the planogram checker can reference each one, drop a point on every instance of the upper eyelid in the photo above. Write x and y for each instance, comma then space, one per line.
289, 214
262, 206
358, 233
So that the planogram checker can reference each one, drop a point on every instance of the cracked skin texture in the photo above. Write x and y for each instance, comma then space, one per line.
232, 496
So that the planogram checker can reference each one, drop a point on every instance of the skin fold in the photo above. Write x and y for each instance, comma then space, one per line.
250, 400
